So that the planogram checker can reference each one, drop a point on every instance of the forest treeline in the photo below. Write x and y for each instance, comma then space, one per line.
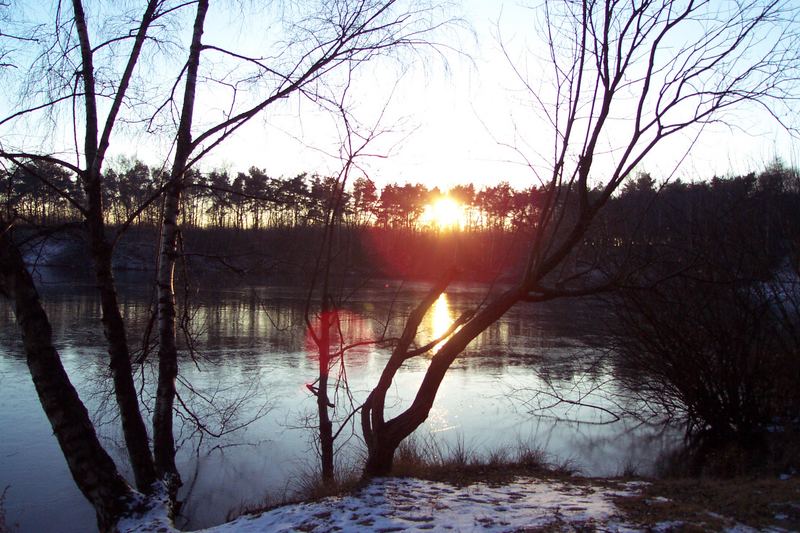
253, 223
253, 200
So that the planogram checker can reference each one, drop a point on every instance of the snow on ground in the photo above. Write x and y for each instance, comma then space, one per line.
405, 504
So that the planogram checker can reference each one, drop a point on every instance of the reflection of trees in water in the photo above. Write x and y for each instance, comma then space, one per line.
238, 332
242, 323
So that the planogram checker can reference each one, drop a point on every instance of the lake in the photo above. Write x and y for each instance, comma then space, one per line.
248, 380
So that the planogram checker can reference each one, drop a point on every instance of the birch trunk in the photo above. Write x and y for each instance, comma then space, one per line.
91, 467
163, 439
133, 426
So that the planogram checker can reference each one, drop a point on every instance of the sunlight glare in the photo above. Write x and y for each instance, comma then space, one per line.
444, 213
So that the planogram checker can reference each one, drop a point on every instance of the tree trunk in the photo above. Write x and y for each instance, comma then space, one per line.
383, 438
163, 439
325, 425
133, 426
381, 458
91, 467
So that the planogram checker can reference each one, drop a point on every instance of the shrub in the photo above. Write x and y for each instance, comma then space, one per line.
720, 356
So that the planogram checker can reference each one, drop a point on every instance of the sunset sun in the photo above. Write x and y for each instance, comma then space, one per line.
444, 213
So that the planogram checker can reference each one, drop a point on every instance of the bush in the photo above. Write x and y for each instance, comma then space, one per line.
720, 356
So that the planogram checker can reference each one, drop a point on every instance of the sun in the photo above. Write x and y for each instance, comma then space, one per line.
444, 213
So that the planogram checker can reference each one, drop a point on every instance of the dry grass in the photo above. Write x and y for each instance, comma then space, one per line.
716, 487
427, 458
692, 504
307, 487
713, 504
457, 463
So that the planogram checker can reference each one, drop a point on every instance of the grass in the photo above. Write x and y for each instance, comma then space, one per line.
760, 500
714, 488
459, 464
429, 459
713, 504
308, 487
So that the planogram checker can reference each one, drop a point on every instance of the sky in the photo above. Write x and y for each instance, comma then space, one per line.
441, 109
452, 115
455, 120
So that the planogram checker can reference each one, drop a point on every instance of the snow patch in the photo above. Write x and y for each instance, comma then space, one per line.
404, 504
152, 514
668, 525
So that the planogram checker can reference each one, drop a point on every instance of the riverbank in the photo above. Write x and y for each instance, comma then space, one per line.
532, 503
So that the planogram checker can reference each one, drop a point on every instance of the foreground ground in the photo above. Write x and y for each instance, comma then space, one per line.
529, 504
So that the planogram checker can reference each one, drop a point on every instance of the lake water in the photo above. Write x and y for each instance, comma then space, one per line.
253, 362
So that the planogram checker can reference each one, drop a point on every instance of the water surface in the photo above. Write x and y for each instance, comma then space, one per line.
248, 377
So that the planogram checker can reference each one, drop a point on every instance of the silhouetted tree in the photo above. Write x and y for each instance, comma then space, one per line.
365, 201
101, 64
705, 328
646, 62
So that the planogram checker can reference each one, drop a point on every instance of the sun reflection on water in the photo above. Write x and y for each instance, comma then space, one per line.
441, 318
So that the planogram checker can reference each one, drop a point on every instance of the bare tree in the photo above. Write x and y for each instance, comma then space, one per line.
327, 330
346, 35
90, 68
637, 73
